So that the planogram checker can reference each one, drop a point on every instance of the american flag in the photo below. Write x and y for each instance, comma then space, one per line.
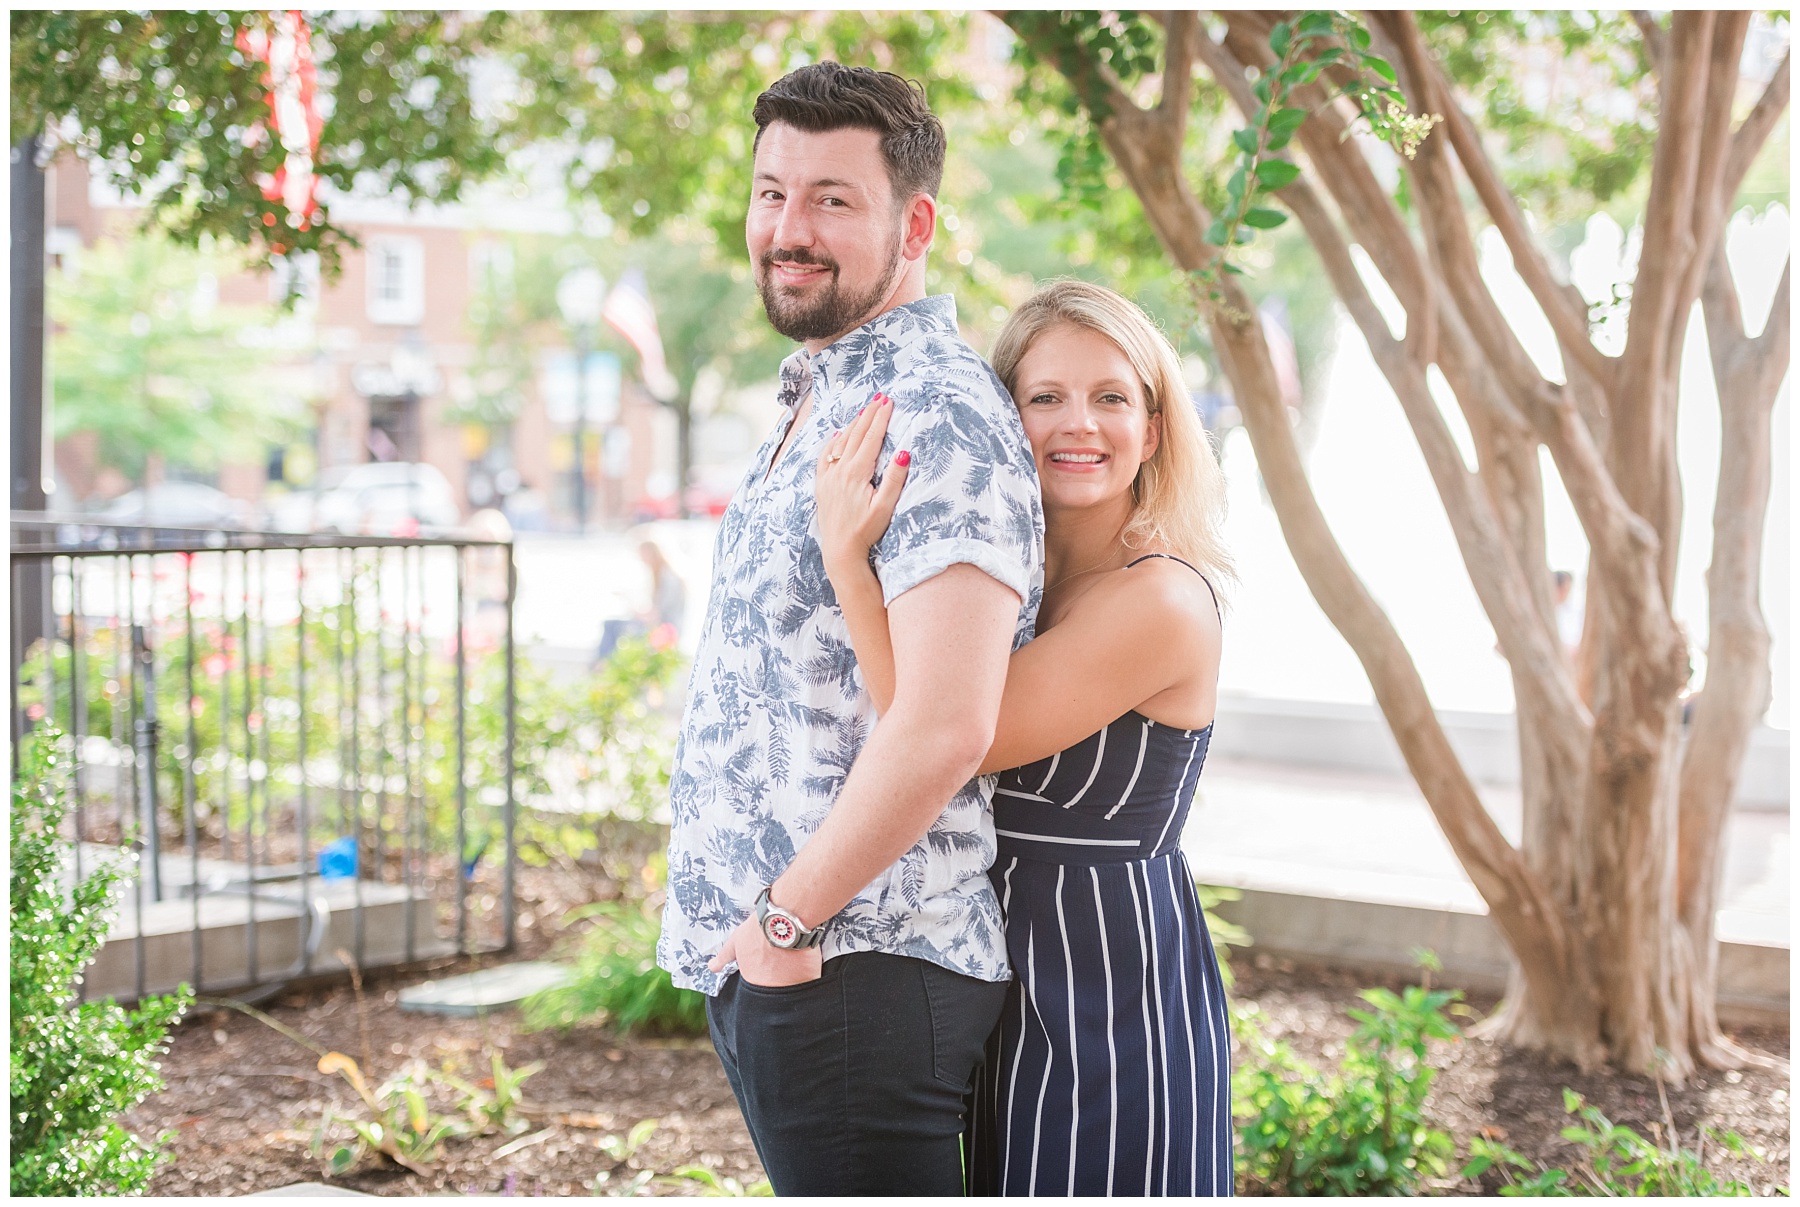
629, 310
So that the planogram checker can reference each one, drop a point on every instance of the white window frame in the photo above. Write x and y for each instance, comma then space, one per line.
396, 271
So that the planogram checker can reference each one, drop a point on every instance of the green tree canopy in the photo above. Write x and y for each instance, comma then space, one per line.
177, 112
148, 360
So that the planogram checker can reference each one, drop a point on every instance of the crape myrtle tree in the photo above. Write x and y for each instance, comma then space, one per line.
1608, 901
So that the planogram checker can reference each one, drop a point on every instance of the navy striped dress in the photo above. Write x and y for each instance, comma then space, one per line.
1110, 1071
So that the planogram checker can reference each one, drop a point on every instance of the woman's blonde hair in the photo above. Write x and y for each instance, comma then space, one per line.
1179, 493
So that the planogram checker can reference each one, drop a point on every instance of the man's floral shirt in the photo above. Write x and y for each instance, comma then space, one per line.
776, 708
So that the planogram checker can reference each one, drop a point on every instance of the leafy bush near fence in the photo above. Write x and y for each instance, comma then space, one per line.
617, 980
74, 1068
593, 758
592, 753
1361, 1130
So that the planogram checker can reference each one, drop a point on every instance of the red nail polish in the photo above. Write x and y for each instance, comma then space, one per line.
860, 412
885, 400
903, 458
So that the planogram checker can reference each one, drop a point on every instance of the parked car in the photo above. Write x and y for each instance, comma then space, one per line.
181, 504
386, 498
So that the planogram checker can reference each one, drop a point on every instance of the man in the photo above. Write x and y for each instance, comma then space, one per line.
827, 875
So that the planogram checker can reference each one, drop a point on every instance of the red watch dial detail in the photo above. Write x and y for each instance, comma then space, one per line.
781, 930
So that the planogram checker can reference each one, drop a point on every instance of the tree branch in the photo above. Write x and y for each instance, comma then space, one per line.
1715, 143
1181, 30
1495, 571
1655, 40
1445, 223
1097, 86
1754, 131
1748, 374
1668, 216
1517, 900
1562, 304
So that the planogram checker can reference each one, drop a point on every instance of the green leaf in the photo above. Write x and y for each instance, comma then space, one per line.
1379, 66
1329, 55
1231, 268
1261, 89
1359, 37
1286, 121
1264, 219
1245, 140
1235, 186
1280, 38
1216, 234
1276, 173
1315, 24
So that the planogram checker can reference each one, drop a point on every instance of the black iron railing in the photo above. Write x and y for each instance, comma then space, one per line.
275, 731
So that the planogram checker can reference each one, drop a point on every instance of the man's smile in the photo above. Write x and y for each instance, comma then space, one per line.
791, 274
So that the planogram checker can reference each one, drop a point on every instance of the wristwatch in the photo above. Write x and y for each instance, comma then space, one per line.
782, 929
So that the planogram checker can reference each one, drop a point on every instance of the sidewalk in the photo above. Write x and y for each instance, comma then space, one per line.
1364, 850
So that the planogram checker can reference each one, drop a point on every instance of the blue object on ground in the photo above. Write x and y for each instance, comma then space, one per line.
337, 859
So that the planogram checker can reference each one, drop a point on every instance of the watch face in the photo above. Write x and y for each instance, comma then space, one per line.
781, 931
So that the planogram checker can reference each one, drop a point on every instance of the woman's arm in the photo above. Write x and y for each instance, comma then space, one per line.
1140, 633
852, 516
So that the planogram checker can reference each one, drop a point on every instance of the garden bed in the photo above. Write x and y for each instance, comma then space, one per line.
244, 1101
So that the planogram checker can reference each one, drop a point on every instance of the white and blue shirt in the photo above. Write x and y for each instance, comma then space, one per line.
776, 708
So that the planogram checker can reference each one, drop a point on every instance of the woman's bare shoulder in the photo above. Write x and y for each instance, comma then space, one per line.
1157, 596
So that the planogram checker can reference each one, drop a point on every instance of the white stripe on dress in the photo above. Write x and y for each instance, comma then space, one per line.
1037, 1127
1099, 757
1112, 1050
1013, 1087
1162, 1028
1180, 786
1051, 774
1143, 741
1221, 1070
1137, 909
1187, 1013
1062, 921
1073, 842
1023, 795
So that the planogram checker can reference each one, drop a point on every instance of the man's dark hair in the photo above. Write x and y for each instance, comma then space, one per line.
829, 96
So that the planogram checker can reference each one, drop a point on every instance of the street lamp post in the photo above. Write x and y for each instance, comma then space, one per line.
580, 295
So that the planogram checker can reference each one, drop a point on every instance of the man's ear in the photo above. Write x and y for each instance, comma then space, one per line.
920, 226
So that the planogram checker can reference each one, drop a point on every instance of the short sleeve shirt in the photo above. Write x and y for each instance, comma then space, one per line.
777, 711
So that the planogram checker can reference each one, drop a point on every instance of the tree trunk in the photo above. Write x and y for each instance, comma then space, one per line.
1608, 915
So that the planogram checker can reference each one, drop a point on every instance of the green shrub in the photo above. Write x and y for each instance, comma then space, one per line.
1225, 935
1361, 1130
617, 979
74, 1068
1616, 1162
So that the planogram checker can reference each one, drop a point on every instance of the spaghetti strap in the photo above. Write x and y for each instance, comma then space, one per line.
1190, 566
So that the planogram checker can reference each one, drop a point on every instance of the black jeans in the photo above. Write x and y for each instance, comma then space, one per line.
854, 1083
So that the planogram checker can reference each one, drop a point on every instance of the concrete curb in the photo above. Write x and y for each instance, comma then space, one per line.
1753, 977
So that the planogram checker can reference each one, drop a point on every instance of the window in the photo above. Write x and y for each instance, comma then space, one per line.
396, 280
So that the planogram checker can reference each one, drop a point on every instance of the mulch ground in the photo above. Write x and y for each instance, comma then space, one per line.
244, 1102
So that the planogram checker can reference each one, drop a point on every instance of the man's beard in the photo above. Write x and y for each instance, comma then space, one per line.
833, 312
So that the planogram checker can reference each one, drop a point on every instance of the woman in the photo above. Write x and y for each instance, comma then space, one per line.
1109, 1071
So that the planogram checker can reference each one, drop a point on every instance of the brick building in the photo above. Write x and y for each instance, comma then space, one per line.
380, 358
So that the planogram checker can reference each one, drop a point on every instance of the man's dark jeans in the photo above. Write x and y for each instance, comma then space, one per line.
854, 1083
